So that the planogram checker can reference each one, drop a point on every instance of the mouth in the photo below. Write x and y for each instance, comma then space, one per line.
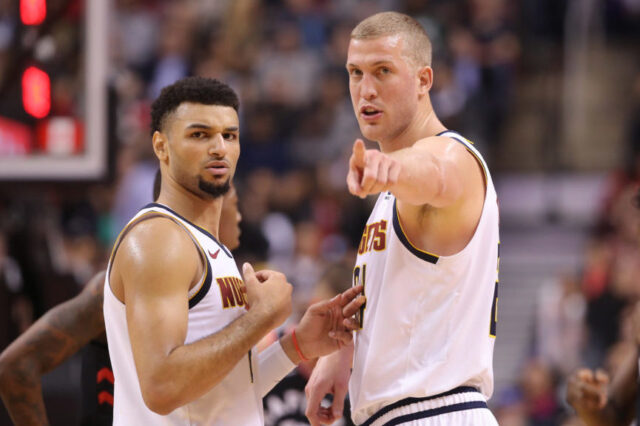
370, 113
217, 168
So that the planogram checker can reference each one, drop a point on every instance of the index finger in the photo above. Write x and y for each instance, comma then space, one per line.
601, 377
359, 152
353, 306
350, 294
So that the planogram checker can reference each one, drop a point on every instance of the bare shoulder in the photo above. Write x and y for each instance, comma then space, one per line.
158, 242
448, 149
157, 256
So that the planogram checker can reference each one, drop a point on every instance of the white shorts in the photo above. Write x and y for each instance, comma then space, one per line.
462, 406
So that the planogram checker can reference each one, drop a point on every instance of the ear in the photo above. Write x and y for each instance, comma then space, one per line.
425, 75
160, 146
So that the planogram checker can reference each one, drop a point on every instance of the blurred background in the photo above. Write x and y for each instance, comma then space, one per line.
549, 90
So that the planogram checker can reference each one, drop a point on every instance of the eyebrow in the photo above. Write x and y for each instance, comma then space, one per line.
376, 63
207, 127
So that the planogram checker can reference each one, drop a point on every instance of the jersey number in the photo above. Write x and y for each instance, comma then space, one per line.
359, 277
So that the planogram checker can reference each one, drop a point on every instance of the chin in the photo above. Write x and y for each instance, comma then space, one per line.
372, 133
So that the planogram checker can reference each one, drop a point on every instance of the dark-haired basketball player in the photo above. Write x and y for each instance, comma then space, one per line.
181, 321
69, 327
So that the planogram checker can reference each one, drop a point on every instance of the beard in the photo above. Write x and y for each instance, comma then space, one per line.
214, 190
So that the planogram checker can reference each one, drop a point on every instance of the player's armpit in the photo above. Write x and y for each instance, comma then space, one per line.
50, 341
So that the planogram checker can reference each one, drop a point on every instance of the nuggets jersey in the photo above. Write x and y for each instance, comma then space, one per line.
213, 304
428, 325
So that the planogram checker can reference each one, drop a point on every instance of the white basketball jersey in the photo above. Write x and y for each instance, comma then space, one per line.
213, 304
428, 325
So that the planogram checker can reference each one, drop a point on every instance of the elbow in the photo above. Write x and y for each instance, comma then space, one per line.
159, 399
8, 369
448, 189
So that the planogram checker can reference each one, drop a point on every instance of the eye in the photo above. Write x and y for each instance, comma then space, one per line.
230, 136
384, 70
198, 135
355, 72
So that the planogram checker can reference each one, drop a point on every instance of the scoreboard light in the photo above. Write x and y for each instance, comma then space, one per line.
33, 12
36, 92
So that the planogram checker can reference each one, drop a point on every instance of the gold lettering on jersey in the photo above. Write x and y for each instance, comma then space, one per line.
232, 292
374, 237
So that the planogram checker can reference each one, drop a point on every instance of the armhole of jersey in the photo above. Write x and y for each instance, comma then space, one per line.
469, 146
404, 239
206, 273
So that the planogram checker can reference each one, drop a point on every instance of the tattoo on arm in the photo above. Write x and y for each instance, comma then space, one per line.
53, 339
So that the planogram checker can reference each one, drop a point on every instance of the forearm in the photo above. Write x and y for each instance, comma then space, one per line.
191, 370
50, 341
21, 393
274, 363
344, 356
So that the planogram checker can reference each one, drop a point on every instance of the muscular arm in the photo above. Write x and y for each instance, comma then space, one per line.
435, 172
156, 264
50, 341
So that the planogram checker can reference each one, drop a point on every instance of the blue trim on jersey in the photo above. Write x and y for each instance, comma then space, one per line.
205, 287
204, 231
405, 241
407, 401
463, 406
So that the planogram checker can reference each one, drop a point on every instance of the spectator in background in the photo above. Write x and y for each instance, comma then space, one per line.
287, 73
174, 53
560, 328
538, 391
498, 50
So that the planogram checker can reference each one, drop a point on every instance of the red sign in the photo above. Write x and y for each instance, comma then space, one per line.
33, 12
36, 92
60, 136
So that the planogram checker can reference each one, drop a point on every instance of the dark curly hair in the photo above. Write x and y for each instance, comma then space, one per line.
206, 91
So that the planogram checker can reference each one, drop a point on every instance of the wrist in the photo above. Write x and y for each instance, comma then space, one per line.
263, 316
289, 349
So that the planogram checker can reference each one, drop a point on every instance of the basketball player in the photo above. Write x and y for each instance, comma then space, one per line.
181, 322
67, 328
428, 255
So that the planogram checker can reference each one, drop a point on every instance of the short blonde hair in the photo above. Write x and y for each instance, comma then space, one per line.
418, 45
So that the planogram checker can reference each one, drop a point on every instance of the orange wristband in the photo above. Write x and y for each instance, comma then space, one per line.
295, 345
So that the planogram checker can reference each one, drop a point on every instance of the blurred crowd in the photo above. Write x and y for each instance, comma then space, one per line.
286, 60
584, 318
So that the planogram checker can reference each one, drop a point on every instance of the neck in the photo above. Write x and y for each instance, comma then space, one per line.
425, 123
203, 212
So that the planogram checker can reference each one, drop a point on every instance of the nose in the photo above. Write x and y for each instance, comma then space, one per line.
218, 146
367, 88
